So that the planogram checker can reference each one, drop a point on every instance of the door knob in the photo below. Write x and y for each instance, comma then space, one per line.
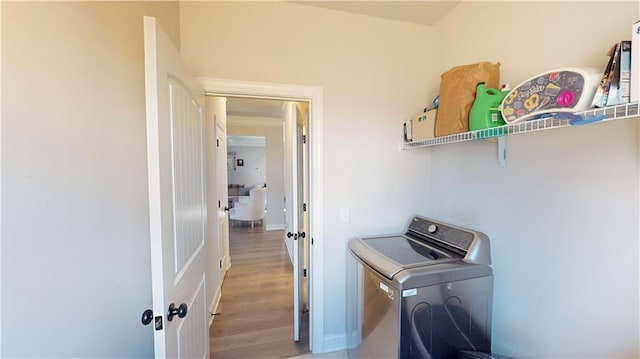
147, 317
226, 209
302, 234
289, 234
180, 311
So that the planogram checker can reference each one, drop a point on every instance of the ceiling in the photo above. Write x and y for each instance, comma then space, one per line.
246, 141
425, 12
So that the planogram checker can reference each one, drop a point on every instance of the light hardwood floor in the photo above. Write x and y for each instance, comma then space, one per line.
255, 315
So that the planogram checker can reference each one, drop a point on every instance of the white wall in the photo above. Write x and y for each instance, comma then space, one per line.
374, 74
75, 239
274, 157
563, 215
254, 170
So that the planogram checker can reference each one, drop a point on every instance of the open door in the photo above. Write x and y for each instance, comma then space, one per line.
295, 208
177, 210
222, 184
305, 207
291, 209
302, 245
217, 197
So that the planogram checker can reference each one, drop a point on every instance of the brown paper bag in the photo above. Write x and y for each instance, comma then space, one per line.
457, 87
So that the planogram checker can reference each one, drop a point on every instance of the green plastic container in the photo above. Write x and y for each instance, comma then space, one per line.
485, 111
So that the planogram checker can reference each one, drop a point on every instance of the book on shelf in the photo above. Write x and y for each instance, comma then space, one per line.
616, 82
602, 92
635, 63
625, 71
613, 95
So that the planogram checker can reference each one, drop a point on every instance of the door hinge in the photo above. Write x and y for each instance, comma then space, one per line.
221, 263
304, 207
311, 240
218, 203
217, 142
304, 138
304, 272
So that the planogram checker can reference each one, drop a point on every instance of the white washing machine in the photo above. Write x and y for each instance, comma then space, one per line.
427, 293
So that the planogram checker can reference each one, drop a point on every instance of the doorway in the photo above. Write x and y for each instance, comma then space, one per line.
314, 96
266, 142
246, 171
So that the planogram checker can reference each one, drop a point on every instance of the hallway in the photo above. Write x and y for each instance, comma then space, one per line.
255, 315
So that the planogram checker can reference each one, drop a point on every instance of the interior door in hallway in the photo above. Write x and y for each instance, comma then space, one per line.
304, 209
177, 210
223, 192
217, 218
296, 230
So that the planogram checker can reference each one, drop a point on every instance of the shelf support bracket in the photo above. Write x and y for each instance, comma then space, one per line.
502, 151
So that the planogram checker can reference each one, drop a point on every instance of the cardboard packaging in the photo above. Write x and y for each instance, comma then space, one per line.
457, 88
424, 125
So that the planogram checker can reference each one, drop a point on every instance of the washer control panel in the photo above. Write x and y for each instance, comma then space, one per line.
455, 237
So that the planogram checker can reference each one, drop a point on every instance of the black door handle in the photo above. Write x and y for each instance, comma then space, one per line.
180, 311
302, 234
289, 234
147, 317
226, 209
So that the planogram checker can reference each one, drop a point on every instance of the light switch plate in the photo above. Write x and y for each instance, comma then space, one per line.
345, 215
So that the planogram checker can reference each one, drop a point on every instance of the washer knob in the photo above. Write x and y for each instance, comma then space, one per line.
432, 228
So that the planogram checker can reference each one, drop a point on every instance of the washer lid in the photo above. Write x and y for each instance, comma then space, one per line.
390, 255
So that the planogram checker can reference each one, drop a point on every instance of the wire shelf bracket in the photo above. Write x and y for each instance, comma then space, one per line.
502, 151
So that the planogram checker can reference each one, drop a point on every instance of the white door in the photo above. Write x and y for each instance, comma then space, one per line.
175, 155
223, 192
291, 208
300, 212
217, 219
290, 185
294, 212
305, 200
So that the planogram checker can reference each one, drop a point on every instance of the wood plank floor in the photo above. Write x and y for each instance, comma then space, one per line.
256, 309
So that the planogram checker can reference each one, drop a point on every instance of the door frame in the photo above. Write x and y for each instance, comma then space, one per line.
312, 94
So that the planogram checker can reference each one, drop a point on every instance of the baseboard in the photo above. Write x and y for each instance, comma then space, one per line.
354, 340
215, 302
334, 342
275, 227
226, 263
288, 244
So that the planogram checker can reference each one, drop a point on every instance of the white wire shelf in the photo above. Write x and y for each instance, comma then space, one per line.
619, 112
